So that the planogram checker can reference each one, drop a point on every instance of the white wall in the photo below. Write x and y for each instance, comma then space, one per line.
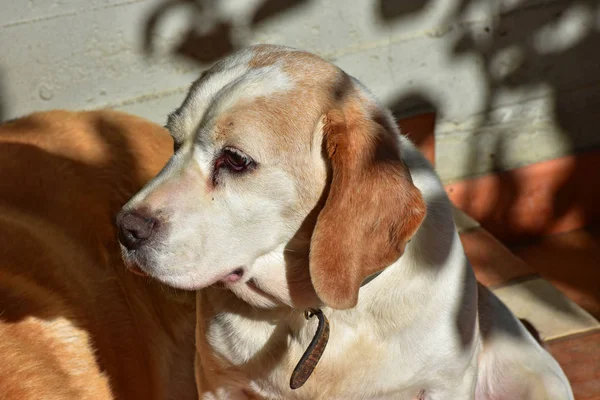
512, 81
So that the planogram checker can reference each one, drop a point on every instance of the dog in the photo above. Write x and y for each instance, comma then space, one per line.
292, 194
74, 323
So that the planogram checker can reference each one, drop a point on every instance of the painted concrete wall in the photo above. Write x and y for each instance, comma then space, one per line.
512, 81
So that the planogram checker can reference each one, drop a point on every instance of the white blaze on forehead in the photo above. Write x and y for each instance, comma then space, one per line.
257, 82
202, 93
226, 83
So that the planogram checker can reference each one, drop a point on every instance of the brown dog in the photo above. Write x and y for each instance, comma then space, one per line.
74, 323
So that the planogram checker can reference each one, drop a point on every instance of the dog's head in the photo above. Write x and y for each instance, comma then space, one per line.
287, 186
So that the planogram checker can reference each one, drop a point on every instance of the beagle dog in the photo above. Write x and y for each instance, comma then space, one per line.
74, 324
291, 195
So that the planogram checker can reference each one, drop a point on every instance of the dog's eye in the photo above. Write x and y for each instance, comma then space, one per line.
235, 160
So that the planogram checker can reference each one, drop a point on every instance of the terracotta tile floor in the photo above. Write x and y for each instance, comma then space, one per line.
571, 262
555, 285
579, 355
493, 263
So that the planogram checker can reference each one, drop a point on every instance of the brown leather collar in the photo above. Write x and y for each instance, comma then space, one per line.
313, 353
315, 349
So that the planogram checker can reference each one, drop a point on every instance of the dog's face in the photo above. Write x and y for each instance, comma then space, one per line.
260, 186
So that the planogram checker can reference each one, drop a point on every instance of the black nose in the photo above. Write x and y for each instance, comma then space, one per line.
135, 228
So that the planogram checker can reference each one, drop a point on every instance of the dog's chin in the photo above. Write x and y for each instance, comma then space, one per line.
240, 284
237, 280
187, 281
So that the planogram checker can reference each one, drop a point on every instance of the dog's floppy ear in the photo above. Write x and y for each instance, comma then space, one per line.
371, 211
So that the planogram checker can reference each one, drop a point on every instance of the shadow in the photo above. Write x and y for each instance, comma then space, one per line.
211, 36
270, 8
541, 58
209, 46
206, 46
532, 331
202, 45
63, 264
412, 103
571, 76
415, 115
389, 10
580, 251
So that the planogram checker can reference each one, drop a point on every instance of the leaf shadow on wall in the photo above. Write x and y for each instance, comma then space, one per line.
213, 36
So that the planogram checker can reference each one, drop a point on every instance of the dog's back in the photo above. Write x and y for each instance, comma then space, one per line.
73, 322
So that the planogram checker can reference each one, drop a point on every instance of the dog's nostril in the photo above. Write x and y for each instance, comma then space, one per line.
239, 272
135, 229
142, 228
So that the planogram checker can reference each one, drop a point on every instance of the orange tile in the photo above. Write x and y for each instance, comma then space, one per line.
579, 356
493, 263
540, 199
571, 262
420, 129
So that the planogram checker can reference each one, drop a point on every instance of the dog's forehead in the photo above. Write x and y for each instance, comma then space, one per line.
272, 77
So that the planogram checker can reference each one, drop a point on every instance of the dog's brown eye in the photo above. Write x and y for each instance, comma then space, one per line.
235, 160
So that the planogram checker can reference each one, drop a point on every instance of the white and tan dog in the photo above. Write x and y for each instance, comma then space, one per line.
291, 189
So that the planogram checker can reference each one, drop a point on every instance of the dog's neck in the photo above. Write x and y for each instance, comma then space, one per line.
370, 278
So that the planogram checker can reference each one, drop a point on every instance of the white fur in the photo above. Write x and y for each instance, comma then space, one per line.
419, 327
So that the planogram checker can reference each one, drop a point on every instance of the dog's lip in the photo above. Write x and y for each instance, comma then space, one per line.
234, 276
136, 270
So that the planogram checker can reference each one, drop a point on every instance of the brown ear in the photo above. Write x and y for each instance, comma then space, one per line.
372, 208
